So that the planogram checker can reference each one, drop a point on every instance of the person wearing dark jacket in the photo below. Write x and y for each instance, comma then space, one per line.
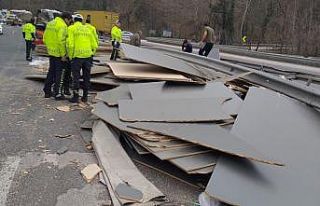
187, 46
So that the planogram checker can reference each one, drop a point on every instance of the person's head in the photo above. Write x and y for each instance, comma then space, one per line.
78, 18
185, 41
206, 24
31, 21
118, 23
67, 17
140, 33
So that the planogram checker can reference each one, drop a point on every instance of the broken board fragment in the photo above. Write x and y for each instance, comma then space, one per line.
137, 147
111, 116
64, 108
36, 77
111, 97
181, 152
117, 164
136, 71
208, 135
196, 162
125, 191
90, 172
87, 124
174, 110
86, 136
204, 171
97, 70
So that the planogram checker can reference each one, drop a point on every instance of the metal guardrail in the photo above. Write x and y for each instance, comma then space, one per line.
297, 91
244, 52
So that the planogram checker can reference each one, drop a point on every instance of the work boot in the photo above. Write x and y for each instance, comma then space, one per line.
75, 97
59, 97
84, 98
67, 92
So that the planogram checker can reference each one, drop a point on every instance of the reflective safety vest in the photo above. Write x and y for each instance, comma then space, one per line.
55, 37
116, 34
94, 31
244, 39
28, 29
81, 42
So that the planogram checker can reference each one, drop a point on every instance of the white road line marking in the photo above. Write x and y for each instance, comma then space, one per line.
7, 170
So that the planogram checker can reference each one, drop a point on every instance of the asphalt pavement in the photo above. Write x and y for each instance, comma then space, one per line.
31, 173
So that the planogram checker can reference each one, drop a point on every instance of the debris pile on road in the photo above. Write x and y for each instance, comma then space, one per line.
241, 143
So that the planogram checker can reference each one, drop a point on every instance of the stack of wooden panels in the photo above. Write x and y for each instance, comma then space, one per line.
183, 124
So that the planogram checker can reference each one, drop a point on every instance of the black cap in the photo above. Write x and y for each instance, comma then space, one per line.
66, 15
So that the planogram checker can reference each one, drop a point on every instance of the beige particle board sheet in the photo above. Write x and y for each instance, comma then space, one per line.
165, 144
182, 152
206, 170
97, 69
160, 59
154, 150
145, 72
211, 136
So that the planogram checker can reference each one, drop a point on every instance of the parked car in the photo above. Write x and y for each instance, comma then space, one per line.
1, 29
126, 36
13, 20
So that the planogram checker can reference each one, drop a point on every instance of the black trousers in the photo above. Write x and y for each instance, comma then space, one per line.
28, 49
114, 54
67, 80
206, 49
54, 76
77, 65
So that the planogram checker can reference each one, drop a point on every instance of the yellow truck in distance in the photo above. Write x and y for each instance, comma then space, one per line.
102, 20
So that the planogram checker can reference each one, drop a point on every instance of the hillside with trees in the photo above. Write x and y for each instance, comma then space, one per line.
292, 25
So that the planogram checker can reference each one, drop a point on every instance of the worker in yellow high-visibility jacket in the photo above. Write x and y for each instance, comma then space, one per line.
116, 38
81, 46
92, 29
54, 38
28, 32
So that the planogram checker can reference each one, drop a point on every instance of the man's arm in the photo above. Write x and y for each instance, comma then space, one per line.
62, 38
23, 32
70, 43
33, 32
204, 37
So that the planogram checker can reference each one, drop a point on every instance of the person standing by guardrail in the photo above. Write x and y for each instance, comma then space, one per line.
136, 39
28, 32
116, 38
207, 41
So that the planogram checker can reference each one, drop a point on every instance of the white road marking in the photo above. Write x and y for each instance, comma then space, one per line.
7, 171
